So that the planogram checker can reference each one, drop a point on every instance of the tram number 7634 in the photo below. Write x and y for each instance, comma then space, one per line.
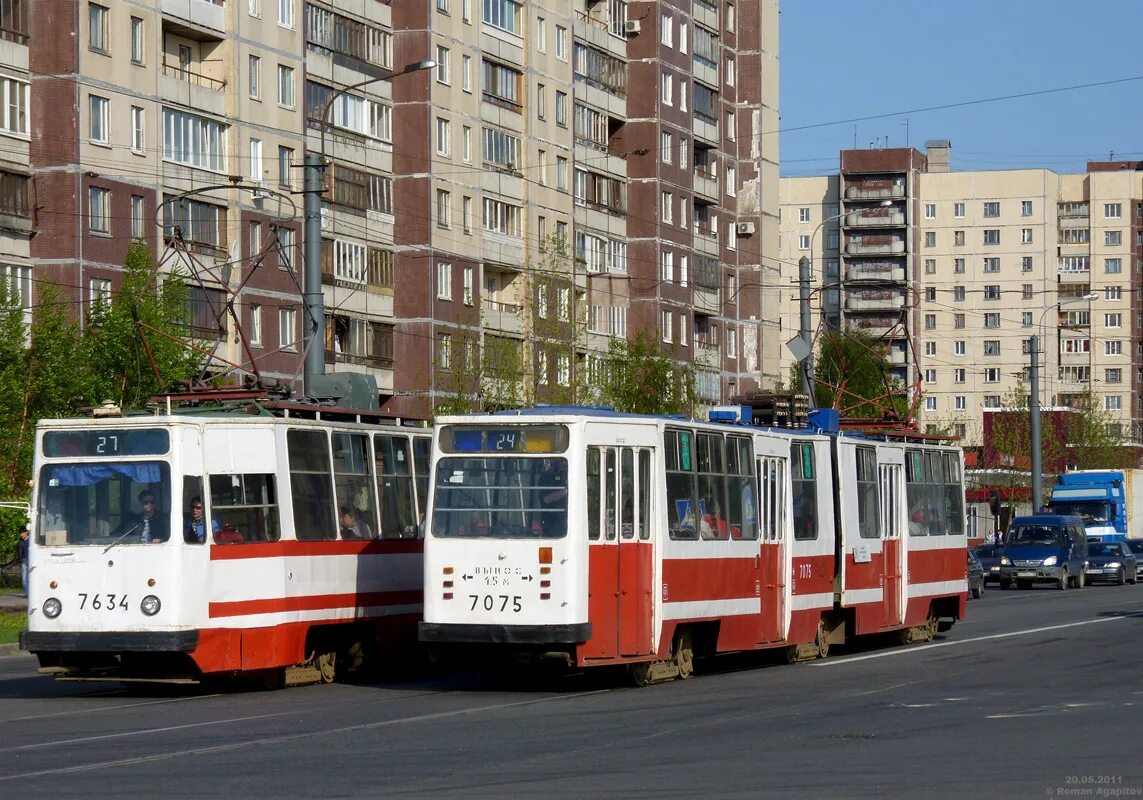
110, 602
492, 602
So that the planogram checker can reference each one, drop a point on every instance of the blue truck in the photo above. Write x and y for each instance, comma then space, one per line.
1109, 501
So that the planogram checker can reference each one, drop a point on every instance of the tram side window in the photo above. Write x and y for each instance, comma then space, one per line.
644, 519
937, 514
98, 503
311, 484
742, 506
422, 457
805, 488
712, 485
867, 509
954, 495
593, 497
245, 508
395, 487
681, 507
609, 495
627, 491
915, 492
354, 485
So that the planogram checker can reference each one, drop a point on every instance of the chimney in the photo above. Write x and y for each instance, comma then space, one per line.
940, 153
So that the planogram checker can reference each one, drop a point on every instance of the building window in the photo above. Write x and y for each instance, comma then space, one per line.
254, 325
930, 266
1026, 319
667, 82
958, 266
930, 376
958, 294
444, 280
665, 319
992, 347
562, 109
1025, 236
99, 295
1113, 266
137, 40
1026, 208
97, 27
728, 66
561, 43
992, 264
137, 211
992, 320
992, 291
958, 210
930, 404
255, 78
442, 65
467, 289
444, 349
992, 209
287, 329
992, 374
1112, 292
958, 320
442, 137
97, 124
561, 173
444, 213
1026, 291
285, 86
1114, 375
466, 143
667, 266
500, 217
992, 236
138, 141
503, 14
541, 35
1113, 403
1113, 320
667, 206
286, 13
930, 348
930, 322
1112, 238
731, 342
803, 215
285, 165
1112, 210
930, 210
958, 347
666, 150
930, 238
501, 85
1026, 264
14, 97
803, 241
98, 210
466, 215
666, 30
958, 375
466, 73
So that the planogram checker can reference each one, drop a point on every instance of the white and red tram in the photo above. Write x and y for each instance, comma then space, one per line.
608, 538
274, 581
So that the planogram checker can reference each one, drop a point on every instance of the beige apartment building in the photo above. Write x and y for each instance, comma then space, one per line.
996, 258
592, 168
15, 180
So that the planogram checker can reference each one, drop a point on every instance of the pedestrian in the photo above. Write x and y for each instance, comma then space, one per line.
22, 553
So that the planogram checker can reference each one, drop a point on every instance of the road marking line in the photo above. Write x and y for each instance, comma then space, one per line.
933, 646
107, 708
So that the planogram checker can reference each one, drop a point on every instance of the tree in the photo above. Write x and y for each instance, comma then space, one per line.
122, 369
640, 376
853, 375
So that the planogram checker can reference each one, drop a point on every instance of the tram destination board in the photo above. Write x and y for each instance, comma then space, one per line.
535, 439
106, 442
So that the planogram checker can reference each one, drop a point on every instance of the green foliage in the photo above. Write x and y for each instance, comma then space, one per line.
122, 371
640, 376
853, 374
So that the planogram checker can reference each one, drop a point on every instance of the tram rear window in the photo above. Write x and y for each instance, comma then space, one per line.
504, 439
107, 442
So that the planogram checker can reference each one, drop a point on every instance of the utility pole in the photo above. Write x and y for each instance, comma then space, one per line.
313, 325
807, 370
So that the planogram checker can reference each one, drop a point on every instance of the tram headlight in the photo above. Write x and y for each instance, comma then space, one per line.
150, 605
52, 608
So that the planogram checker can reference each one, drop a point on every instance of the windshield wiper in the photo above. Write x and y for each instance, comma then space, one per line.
123, 536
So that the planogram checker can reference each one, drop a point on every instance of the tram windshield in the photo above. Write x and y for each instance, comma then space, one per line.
104, 503
501, 498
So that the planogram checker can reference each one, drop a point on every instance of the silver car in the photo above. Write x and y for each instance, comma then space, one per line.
1136, 547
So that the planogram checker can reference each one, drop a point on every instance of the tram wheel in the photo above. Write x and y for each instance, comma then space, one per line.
640, 673
822, 640
327, 666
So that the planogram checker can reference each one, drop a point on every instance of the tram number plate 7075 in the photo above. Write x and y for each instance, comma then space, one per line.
495, 602
103, 602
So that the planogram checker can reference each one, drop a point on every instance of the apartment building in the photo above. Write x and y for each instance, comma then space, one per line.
15, 195
1003, 256
567, 171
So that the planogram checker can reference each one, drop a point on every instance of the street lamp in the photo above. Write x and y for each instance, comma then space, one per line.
1034, 401
805, 271
313, 298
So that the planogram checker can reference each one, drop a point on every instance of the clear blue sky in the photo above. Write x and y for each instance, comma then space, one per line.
841, 60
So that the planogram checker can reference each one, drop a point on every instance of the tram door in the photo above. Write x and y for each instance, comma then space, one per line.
621, 556
775, 547
889, 487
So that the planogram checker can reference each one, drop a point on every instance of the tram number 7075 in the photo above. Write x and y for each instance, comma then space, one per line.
490, 602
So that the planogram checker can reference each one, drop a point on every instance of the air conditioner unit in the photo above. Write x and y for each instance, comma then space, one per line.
632, 26
744, 228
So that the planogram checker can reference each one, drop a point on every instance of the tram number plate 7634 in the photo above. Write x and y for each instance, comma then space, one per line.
103, 602
495, 602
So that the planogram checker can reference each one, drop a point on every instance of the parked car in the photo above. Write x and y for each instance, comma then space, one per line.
1136, 548
1113, 562
989, 556
975, 575
1042, 548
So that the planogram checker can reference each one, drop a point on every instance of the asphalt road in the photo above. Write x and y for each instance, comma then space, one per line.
1036, 695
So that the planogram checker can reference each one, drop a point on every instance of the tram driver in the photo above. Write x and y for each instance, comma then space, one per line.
149, 523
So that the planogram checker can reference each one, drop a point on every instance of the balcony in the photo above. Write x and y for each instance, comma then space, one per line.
875, 218
706, 184
706, 129
876, 189
202, 13
874, 300
885, 271
706, 241
192, 89
707, 355
870, 245
877, 327
706, 13
503, 317
898, 356
706, 299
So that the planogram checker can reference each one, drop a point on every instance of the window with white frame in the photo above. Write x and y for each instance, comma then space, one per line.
97, 17
930, 404
466, 73
1026, 264
138, 41
466, 143
803, 214
930, 376
992, 209
991, 236
930, 238
444, 280
561, 43
138, 228
254, 326
442, 65
563, 369
667, 205
500, 217
14, 96
930, 348
992, 320
728, 68
666, 30
960, 403
667, 83
466, 214
98, 295
803, 241
286, 13
1113, 375
444, 209
731, 180
444, 351
958, 347
958, 375
443, 137
1025, 236
1026, 208
1112, 238
958, 210
540, 35
665, 150
561, 173
992, 347
731, 342
99, 210
285, 86
1113, 320
992, 375
254, 77
97, 119
562, 109
1113, 266
1112, 210
1113, 347
138, 140
1026, 319
505, 15
666, 318
1113, 402
287, 329
930, 210
1112, 292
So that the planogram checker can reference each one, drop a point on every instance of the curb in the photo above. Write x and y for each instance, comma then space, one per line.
11, 650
